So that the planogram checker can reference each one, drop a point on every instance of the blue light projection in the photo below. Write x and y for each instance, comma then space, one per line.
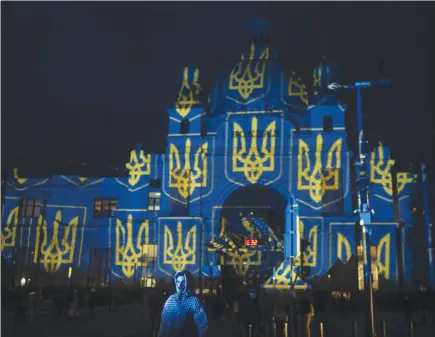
261, 137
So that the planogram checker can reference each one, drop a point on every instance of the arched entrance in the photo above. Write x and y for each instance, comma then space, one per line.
278, 203
276, 207
279, 211
261, 201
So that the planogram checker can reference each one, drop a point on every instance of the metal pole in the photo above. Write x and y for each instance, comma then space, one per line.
359, 121
200, 259
273, 327
411, 329
301, 240
363, 187
285, 329
355, 329
250, 330
364, 210
40, 241
321, 329
384, 329
428, 221
399, 227
370, 284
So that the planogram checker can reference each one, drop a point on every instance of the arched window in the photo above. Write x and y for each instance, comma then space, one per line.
327, 124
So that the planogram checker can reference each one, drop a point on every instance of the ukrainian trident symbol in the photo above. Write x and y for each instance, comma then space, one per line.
129, 254
138, 166
383, 256
55, 253
344, 252
380, 172
310, 254
252, 162
317, 78
286, 276
248, 76
316, 178
179, 255
297, 88
9, 229
187, 97
242, 259
186, 179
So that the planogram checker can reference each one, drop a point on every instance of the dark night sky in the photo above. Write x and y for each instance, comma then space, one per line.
84, 82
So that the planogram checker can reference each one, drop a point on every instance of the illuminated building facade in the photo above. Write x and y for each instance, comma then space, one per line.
265, 153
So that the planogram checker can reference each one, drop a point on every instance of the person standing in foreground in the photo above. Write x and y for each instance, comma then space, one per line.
182, 309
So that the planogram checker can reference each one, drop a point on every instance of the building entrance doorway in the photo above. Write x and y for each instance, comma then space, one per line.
241, 212
261, 201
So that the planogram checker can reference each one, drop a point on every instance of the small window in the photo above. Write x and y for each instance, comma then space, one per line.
327, 124
184, 126
297, 129
155, 183
31, 208
203, 129
105, 207
154, 201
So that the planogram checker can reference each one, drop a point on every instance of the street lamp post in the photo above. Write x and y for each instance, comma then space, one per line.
363, 209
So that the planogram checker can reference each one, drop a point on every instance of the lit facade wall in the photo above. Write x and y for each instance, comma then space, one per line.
261, 136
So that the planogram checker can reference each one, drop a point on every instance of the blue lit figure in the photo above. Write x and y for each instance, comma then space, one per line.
181, 310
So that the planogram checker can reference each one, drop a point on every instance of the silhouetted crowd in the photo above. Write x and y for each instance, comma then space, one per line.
247, 307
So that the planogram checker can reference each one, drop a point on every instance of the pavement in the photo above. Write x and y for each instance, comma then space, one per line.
132, 321
125, 321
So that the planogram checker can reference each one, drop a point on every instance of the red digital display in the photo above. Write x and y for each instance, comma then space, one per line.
251, 242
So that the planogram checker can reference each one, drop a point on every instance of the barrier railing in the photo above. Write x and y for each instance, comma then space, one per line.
355, 329
289, 330
273, 327
384, 329
411, 329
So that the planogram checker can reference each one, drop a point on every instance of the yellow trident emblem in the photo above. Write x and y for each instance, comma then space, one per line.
286, 277
246, 77
138, 166
383, 252
251, 163
384, 249
178, 256
380, 172
241, 260
320, 179
187, 179
297, 88
17, 177
128, 254
187, 95
310, 255
55, 254
343, 246
9, 229
317, 78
